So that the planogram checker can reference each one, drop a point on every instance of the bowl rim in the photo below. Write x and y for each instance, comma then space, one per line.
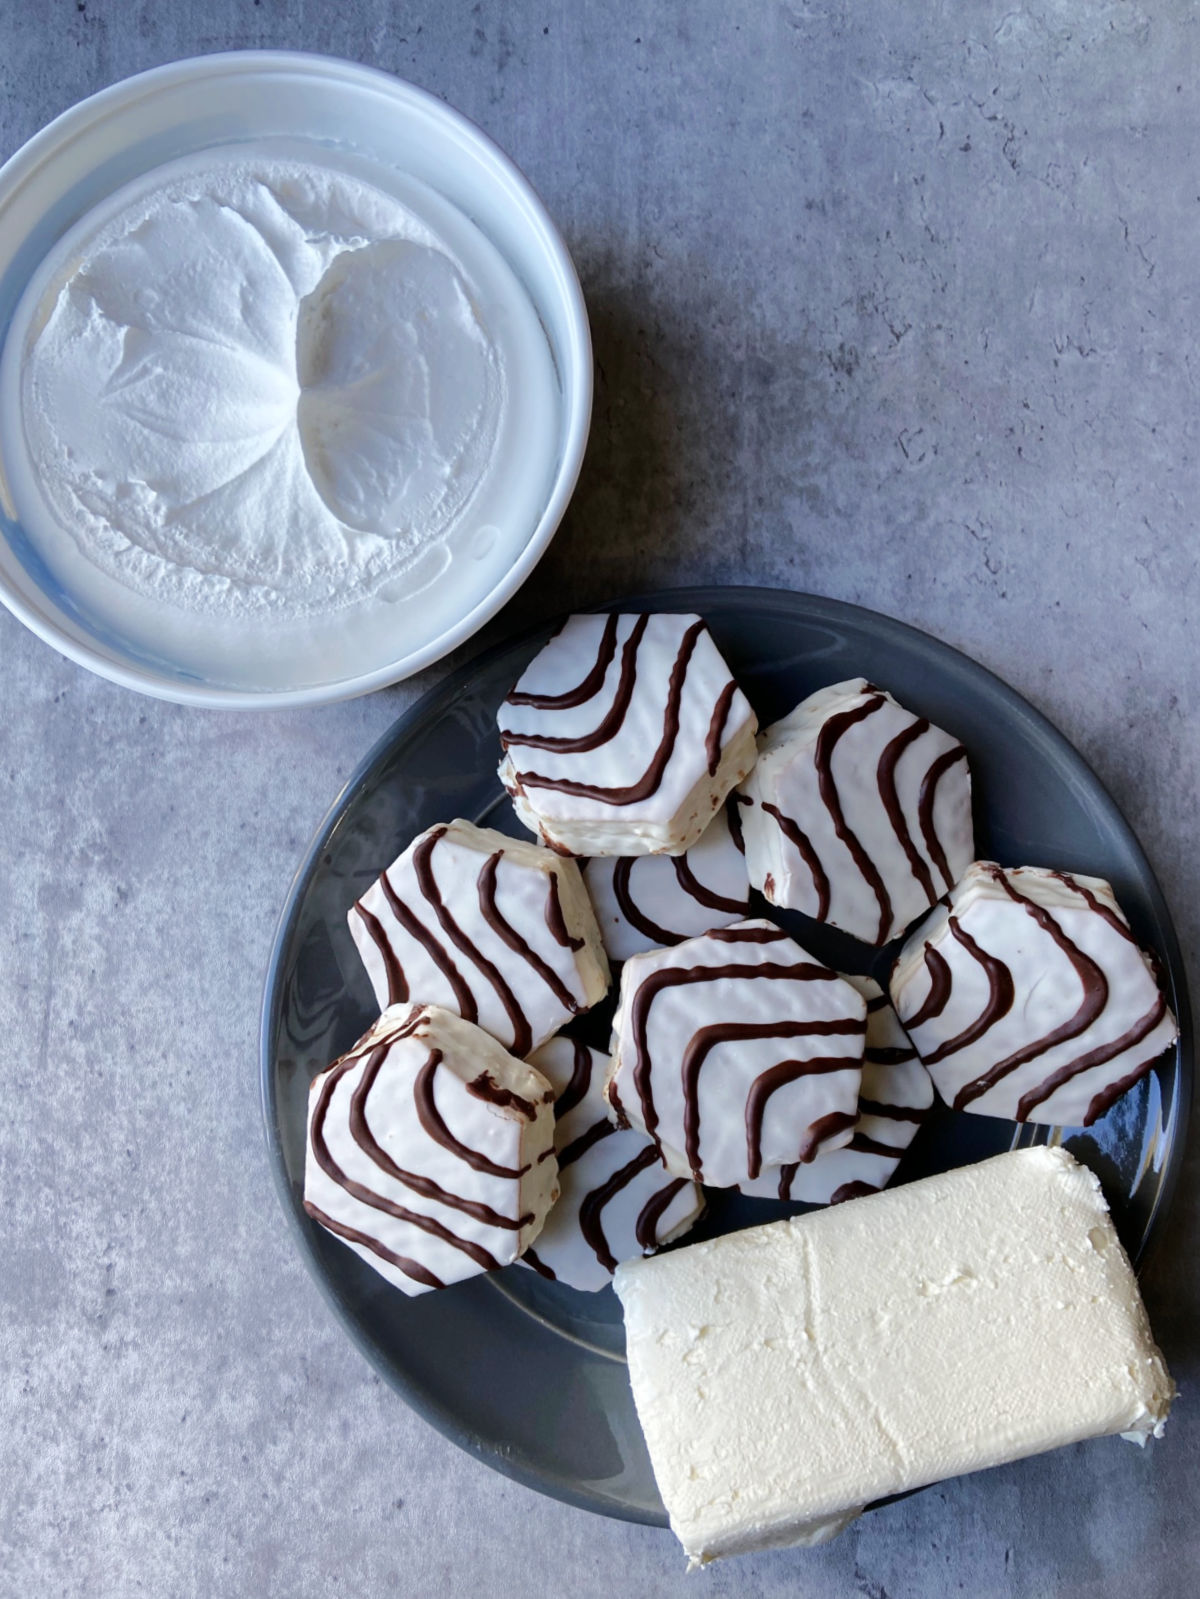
575, 369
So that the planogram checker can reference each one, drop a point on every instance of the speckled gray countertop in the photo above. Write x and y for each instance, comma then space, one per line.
892, 302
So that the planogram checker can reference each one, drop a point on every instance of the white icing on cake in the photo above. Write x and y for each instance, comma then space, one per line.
821, 836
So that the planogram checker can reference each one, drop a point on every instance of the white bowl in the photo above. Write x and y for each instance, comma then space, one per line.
190, 106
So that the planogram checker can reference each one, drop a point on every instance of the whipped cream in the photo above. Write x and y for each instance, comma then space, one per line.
259, 388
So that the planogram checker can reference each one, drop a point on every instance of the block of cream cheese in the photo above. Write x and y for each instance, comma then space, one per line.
617, 1200
430, 1150
787, 1376
624, 735
650, 901
495, 929
860, 813
895, 1098
736, 1052
1029, 998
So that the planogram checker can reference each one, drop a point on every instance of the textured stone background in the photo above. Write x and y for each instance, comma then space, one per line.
894, 302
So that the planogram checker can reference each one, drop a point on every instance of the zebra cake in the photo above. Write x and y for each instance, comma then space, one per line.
649, 901
495, 929
860, 812
637, 751
894, 1099
430, 1150
736, 1052
616, 1201
1028, 997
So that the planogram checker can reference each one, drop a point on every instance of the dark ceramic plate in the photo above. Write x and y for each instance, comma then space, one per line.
527, 1374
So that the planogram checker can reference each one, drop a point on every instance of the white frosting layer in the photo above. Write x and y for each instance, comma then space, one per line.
648, 901
788, 1375
659, 736
430, 1150
740, 1045
466, 918
834, 851
894, 1099
616, 1201
1028, 997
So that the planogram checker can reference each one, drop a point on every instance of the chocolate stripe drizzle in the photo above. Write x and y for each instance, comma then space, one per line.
611, 723
583, 691
888, 1055
827, 740
591, 1211
885, 777
897, 1113
1102, 910
485, 1087
539, 1266
709, 898
1092, 1003
410, 1268
864, 1144
555, 920
581, 1081
396, 986
999, 1002
925, 804
752, 935
431, 1120
578, 1147
792, 832
934, 1002
632, 912
1108, 1096
768, 1083
464, 1000
518, 1021
508, 934
651, 1214
716, 727
733, 811
1098, 1057
852, 1191
651, 778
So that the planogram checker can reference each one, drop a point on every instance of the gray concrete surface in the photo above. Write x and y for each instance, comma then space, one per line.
896, 302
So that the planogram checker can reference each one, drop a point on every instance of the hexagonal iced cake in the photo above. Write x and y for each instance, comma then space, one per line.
860, 813
1028, 997
624, 735
430, 1150
495, 929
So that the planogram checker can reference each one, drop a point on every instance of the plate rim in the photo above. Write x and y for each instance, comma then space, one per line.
432, 704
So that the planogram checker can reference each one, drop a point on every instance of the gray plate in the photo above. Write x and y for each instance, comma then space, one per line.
529, 1375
